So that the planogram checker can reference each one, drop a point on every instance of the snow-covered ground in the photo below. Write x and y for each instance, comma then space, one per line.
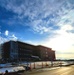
12, 69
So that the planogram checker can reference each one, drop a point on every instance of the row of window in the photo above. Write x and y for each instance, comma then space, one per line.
23, 49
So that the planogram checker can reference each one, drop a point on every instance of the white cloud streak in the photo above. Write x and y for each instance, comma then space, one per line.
6, 32
2, 40
0, 32
53, 12
9, 37
13, 37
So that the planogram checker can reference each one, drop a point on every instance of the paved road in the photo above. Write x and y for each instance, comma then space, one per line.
69, 70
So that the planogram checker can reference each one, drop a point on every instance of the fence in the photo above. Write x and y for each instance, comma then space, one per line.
44, 64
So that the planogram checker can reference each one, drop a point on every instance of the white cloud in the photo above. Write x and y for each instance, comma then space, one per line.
62, 37
67, 18
0, 32
13, 37
42, 29
2, 40
6, 32
38, 10
67, 27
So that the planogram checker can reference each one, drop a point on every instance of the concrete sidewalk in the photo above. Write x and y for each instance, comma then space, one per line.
40, 70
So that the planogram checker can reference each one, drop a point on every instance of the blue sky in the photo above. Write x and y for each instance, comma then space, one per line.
45, 22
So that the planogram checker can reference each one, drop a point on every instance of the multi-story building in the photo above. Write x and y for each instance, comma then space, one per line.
24, 51
44, 53
17, 50
9, 50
